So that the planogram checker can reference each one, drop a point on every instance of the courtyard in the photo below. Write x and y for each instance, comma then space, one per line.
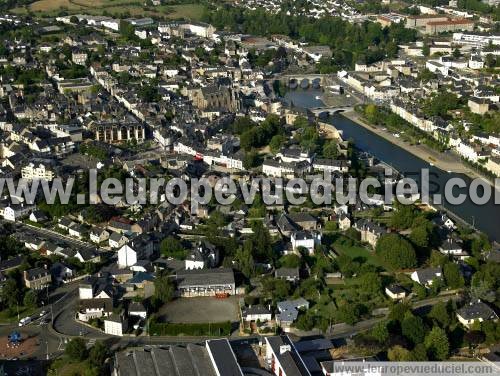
200, 310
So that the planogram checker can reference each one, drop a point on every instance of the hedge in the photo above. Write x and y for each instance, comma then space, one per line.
198, 329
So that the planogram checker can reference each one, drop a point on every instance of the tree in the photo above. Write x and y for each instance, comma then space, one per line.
11, 293
419, 353
437, 344
372, 113
452, 276
276, 289
331, 149
397, 251
276, 143
164, 288
76, 350
251, 159
398, 354
245, 260
370, 283
403, 216
439, 313
420, 236
172, 247
30, 299
398, 311
413, 328
98, 354
349, 313
474, 338
380, 332
73, 20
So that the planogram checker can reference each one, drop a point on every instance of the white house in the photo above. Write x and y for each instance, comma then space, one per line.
14, 212
137, 309
115, 325
395, 292
127, 256
98, 235
117, 240
256, 313
427, 276
475, 312
307, 240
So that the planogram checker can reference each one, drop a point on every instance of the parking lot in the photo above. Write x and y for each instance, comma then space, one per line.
200, 310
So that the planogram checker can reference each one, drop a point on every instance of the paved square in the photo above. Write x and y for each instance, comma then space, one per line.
200, 310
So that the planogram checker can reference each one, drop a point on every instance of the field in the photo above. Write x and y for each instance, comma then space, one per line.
114, 8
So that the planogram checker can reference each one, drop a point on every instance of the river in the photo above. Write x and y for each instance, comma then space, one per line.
485, 218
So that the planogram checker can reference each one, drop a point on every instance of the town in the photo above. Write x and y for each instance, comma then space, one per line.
243, 90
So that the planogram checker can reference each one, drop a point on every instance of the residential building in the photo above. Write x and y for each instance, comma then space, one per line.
475, 312
396, 292
307, 240
283, 359
115, 325
256, 313
426, 277
40, 172
37, 278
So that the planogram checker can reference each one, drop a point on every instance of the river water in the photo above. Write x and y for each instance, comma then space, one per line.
485, 218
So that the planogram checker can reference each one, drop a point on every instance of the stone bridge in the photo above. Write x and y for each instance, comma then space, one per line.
305, 80
324, 111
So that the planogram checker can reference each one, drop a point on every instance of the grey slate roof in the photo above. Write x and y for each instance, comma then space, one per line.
478, 310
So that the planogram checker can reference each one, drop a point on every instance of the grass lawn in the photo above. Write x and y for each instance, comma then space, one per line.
114, 8
356, 251
7, 317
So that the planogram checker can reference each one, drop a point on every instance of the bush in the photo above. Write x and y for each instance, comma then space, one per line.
196, 329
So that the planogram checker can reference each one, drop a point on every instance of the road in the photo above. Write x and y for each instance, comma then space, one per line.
55, 236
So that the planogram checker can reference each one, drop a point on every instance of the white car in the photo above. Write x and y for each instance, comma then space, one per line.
25, 321
43, 313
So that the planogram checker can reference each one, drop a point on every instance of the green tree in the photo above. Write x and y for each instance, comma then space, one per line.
276, 143
11, 293
76, 350
397, 251
380, 332
372, 113
398, 354
439, 313
413, 328
437, 344
331, 149
420, 236
98, 354
452, 276
172, 247
370, 283
164, 288
245, 260
30, 299
251, 159
419, 353
398, 311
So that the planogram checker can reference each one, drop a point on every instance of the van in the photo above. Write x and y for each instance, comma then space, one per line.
25, 321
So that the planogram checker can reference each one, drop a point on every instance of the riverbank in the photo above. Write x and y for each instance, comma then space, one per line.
444, 161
